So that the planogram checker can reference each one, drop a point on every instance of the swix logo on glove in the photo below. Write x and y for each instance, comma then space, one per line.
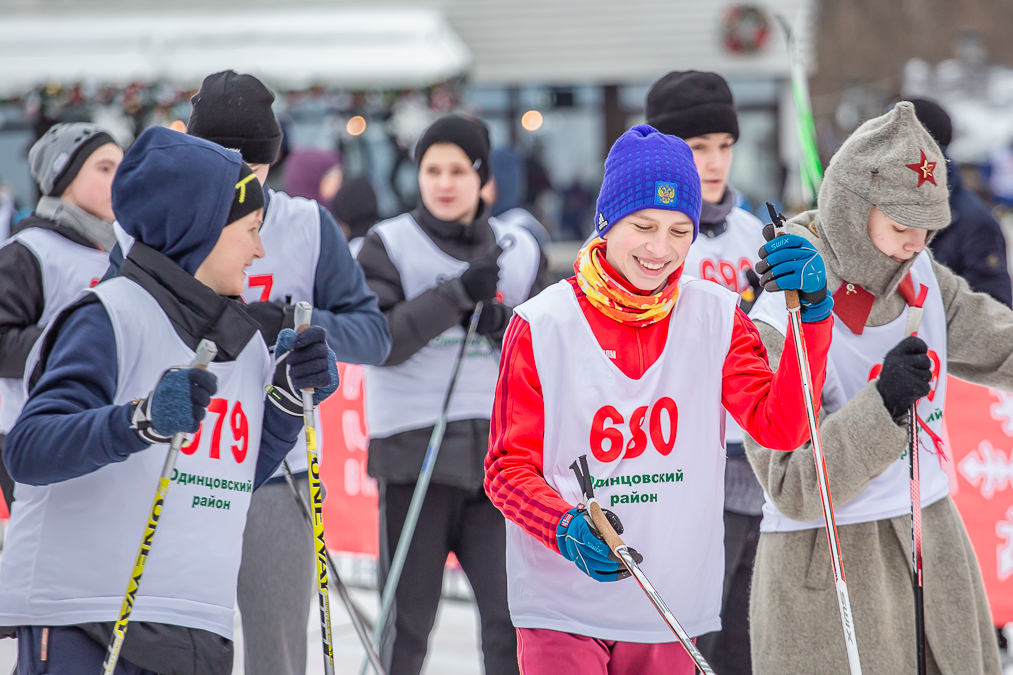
662, 427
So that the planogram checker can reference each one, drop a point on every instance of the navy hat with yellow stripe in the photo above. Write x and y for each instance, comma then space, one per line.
646, 169
249, 195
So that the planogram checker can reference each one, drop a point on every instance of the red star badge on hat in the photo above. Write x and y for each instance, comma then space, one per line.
924, 170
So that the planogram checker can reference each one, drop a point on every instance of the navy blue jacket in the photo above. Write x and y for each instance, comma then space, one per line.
973, 245
172, 192
70, 427
357, 331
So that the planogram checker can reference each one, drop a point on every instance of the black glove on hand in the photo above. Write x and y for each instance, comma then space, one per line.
493, 319
907, 372
482, 277
304, 361
272, 317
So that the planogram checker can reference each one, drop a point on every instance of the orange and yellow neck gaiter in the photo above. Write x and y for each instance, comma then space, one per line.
608, 295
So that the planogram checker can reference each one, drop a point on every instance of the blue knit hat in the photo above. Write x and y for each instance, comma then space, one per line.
646, 169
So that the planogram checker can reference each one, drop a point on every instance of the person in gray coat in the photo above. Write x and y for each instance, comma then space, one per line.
883, 198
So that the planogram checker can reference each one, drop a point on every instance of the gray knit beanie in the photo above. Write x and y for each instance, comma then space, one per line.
890, 162
58, 156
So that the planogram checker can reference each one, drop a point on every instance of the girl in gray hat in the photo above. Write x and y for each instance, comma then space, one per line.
57, 252
883, 197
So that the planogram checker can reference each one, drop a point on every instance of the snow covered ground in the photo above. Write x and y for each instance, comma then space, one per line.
453, 647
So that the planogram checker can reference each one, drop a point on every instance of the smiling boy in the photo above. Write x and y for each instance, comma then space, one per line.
106, 394
633, 364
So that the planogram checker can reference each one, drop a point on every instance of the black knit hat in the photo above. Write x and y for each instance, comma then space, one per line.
469, 135
688, 103
355, 206
249, 195
934, 119
235, 112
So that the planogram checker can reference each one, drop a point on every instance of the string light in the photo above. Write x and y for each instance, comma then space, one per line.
531, 120
356, 126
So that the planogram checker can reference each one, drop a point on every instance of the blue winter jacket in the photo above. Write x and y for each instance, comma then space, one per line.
973, 245
173, 193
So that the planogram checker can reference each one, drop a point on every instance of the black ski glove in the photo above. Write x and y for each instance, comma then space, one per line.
272, 317
304, 361
907, 372
493, 319
482, 277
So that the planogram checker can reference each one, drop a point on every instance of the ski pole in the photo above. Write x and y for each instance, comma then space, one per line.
622, 551
836, 560
353, 612
914, 318
415, 506
303, 314
916, 539
810, 167
206, 351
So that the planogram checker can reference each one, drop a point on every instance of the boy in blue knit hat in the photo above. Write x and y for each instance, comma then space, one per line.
633, 364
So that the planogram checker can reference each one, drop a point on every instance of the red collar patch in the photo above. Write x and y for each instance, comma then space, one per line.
852, 305
924, 169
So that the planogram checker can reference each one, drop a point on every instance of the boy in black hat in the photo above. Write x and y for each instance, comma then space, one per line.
430, 268
306, 257
698, 107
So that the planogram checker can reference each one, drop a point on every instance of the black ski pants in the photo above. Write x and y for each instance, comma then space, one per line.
452, 520
727, 650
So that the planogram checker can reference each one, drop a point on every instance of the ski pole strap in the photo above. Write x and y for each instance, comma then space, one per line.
780, 229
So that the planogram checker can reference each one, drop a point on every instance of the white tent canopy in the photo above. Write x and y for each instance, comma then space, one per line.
290, 48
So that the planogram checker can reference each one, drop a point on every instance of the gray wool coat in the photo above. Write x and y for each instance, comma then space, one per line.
794, 617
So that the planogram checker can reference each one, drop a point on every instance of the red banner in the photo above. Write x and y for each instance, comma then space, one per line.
980, 425
351, 518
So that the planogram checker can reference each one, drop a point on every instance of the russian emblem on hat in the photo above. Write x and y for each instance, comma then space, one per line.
924, 169
664, 192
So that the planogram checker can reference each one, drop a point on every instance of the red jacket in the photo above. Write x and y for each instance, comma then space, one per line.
768, 406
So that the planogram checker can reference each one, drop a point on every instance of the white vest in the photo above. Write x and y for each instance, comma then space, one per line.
290, 236
410, 394
291, 239
71, 545
67, 269
853, 361
668, 486
725, 260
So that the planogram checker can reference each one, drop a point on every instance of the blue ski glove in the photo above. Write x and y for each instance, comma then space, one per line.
791, 262
177, 404
579, 541
303, 361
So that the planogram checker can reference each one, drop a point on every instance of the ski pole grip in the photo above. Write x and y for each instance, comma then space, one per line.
303, 316
206, 352
791, 300
604, 526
